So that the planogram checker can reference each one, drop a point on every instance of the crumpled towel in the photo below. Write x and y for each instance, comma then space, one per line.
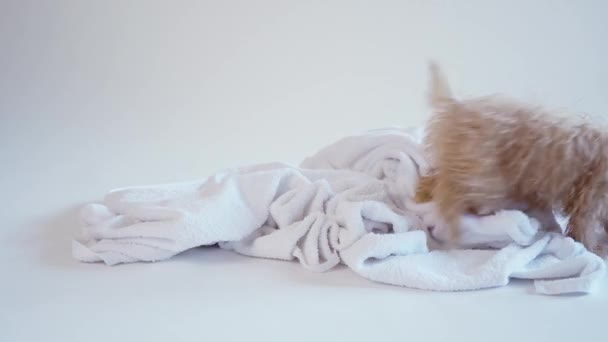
349, 203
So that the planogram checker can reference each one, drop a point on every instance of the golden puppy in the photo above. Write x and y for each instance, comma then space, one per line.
491, 153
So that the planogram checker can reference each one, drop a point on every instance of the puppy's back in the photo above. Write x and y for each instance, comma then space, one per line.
492, 150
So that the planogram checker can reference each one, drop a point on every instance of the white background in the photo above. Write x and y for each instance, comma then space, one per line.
102, 94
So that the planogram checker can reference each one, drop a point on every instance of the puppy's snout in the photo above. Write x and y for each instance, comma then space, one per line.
438, 233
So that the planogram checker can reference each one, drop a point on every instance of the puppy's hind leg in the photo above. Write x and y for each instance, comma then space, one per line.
602, 237
582, 227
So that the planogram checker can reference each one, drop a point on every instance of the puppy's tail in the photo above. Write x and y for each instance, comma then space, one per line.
439, 93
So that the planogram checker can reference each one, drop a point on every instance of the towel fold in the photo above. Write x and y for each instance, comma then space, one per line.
349, 203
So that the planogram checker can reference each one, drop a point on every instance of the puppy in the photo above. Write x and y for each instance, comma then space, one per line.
491, 154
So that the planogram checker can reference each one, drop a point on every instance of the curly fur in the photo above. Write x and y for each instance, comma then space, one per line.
492, 153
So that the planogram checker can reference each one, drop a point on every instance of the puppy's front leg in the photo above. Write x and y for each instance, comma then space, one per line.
546, 218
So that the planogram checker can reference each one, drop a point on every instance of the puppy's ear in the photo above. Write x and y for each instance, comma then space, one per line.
439, 93
425, 187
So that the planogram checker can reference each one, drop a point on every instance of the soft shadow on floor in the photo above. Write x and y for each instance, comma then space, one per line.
54, 236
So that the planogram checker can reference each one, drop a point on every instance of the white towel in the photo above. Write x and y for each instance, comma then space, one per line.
350, 203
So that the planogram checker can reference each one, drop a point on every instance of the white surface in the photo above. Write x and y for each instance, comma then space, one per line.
93, 93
